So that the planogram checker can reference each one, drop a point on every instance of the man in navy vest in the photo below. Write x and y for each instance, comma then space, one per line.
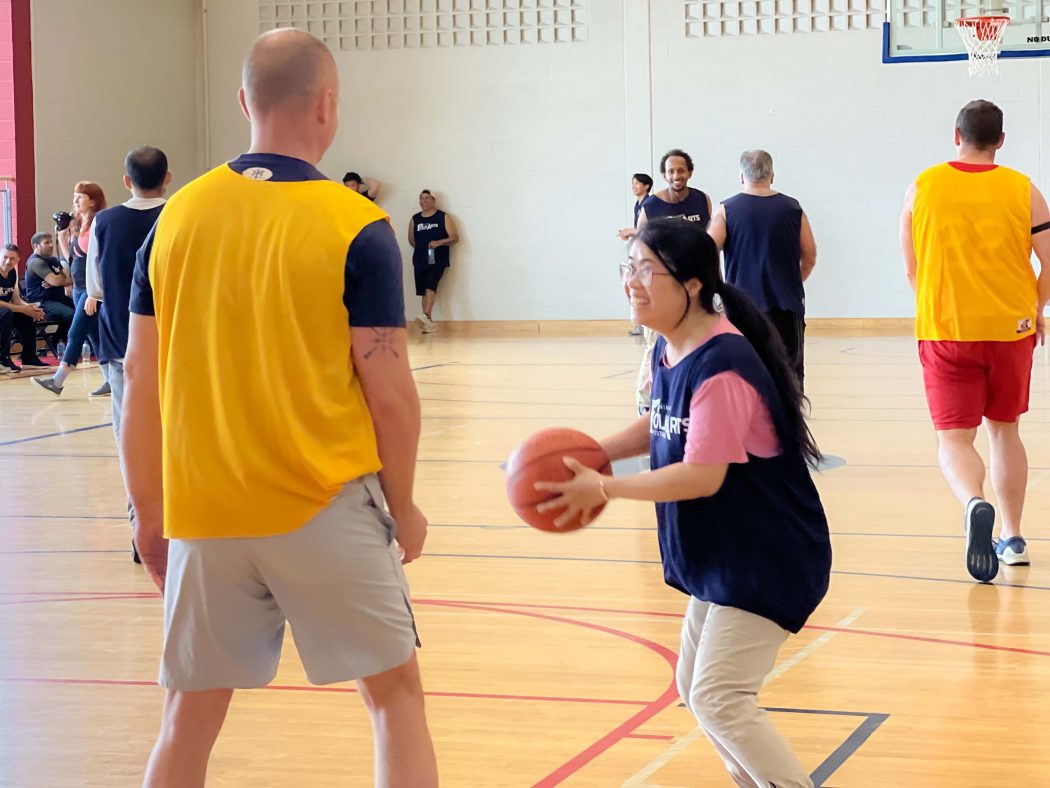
678, 201
769, 250
116, 235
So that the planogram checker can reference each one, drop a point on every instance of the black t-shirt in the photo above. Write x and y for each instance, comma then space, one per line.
37, 288
8, 284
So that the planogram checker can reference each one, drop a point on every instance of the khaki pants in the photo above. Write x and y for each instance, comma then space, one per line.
726, 653
644, 387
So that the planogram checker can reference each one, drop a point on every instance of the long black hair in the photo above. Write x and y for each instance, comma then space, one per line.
688, 252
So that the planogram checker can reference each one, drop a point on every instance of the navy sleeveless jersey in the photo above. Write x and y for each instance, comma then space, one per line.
693, 208
119, 232
763, 251
427, 229
761, 542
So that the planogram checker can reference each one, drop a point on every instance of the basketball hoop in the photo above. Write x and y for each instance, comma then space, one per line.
983, 37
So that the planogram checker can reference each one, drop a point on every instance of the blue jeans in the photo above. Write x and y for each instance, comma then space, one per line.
84, 326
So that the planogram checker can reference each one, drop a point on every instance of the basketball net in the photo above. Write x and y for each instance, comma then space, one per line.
983, 37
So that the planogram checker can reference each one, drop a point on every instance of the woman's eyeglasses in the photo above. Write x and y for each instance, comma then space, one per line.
644, 274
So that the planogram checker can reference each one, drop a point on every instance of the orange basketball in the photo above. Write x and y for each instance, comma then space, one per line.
539, 459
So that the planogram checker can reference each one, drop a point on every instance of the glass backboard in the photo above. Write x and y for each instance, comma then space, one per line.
918, 31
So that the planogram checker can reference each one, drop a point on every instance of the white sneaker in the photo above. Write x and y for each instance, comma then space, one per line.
426, 324
1013, 551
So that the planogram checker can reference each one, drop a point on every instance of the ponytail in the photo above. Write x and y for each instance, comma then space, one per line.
757, 329
688, 252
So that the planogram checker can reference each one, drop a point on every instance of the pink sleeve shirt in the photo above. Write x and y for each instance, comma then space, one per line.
727, 418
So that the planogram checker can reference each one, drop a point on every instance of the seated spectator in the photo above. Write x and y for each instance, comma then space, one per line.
15, 314
46, 283
366, 187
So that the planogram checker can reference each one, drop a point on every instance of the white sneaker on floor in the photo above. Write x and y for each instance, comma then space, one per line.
426, 324
1013, 551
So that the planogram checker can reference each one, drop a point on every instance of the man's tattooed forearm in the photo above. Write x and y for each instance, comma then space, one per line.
382, 343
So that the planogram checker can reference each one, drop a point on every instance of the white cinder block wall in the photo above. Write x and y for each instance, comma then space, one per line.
108, 76
530, 145
523, 144
847, 134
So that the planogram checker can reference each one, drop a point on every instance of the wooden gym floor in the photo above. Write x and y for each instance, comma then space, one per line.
548, 659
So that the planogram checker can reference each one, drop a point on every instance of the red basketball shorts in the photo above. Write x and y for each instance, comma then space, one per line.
968, 381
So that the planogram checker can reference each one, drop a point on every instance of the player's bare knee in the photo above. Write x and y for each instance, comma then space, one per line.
393, 686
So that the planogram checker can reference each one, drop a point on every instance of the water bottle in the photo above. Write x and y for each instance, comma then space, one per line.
85, 353
61, 351
431, 259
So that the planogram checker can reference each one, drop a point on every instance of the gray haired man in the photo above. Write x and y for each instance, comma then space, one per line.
769, 250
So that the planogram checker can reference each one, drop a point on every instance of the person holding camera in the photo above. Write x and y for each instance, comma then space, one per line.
88, 199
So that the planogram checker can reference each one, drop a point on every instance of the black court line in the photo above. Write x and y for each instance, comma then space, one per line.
58, 455
63, 433
62, 517
54, 434
431, 366
521, 527
853, 742
635, 561
58, 552
640, 561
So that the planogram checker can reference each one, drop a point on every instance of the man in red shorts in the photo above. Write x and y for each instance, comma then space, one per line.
967, 232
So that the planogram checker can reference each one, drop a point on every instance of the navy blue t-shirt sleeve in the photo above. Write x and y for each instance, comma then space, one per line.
141, 289
373, 292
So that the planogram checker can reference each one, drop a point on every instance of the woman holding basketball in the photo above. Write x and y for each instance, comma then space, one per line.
740, 523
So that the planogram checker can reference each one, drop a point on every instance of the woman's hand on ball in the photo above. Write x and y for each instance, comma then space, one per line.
579, 497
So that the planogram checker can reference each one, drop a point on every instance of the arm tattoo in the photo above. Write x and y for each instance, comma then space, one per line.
382, 343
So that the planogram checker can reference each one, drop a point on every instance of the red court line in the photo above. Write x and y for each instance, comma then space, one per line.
617, 734
939, 641
330, 689
109, 594
844, 630
656, 736
99, 597
531, 606
50, 596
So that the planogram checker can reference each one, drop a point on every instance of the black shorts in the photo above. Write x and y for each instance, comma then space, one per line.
427, 277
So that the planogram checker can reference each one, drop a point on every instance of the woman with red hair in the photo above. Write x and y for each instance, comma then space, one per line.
88, 199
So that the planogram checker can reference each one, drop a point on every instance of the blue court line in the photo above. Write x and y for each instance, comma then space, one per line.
853, 742
55, 434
